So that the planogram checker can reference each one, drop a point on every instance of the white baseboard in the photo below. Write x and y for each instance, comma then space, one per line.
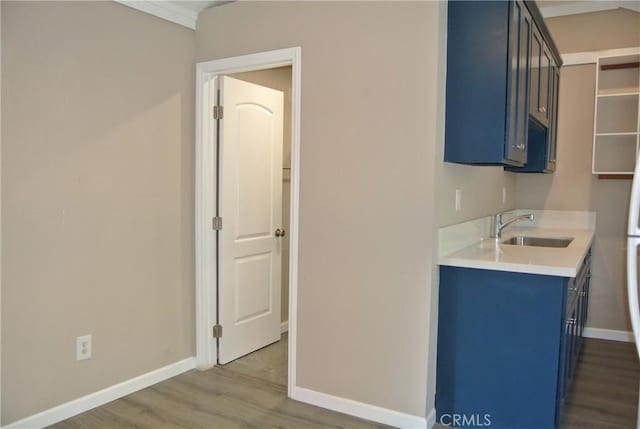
101, 397
609, 334
431, 418
284, 327
360, 409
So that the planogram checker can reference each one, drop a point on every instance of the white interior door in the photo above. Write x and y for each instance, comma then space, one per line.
251, 209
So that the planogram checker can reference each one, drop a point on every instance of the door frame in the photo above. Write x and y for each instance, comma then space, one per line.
205, 239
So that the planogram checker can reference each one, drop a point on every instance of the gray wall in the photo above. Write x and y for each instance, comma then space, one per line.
596, 31
369, 89
280, 79
481, 186
481, 189
573, 187
97, 190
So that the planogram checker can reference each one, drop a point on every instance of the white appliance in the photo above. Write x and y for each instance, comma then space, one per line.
633, 243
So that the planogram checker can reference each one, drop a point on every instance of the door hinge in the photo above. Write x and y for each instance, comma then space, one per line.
217, 331
218, 112
216, 223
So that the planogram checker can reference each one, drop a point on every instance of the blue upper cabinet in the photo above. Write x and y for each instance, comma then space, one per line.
542, 139
490, 67
543, 108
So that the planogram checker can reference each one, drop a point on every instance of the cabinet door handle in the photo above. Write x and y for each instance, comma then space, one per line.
520, 146
571, 321
543, 109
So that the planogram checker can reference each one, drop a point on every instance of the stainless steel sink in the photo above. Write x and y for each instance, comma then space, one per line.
522, 240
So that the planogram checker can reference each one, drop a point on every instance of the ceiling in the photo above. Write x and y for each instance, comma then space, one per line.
551, 8
186, 12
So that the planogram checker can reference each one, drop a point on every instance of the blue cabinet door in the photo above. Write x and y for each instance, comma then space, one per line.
538, 150
563, 368
520, 28
572, 344
536, 55
545, 84
478, 70
552, 145
541, 79
499, 342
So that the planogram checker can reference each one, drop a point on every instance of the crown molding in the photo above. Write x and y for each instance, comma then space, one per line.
169, 11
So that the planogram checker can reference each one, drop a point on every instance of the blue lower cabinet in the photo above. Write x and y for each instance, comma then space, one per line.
504, 341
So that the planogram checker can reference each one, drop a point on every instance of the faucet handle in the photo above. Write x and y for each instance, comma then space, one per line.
498, 216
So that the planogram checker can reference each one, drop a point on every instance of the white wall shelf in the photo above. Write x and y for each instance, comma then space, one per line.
604, 93
616, 127
630, 133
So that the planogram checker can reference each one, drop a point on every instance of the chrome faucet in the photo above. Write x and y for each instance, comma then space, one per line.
498, 225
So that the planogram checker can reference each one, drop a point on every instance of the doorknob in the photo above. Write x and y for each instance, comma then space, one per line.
280, 232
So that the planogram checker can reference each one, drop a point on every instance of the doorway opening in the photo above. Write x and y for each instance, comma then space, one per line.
247, 187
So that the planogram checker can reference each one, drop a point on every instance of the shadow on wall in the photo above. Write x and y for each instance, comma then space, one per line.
573, 187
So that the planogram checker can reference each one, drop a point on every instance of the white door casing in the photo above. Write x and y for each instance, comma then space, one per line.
250, 199
206, 167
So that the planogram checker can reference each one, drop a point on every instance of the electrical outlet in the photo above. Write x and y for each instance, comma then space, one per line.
83, 347
458, 199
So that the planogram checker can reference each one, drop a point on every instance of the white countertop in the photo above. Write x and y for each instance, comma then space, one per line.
491, 255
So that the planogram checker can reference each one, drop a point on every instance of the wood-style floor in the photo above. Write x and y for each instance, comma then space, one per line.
604, 394
251, 392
